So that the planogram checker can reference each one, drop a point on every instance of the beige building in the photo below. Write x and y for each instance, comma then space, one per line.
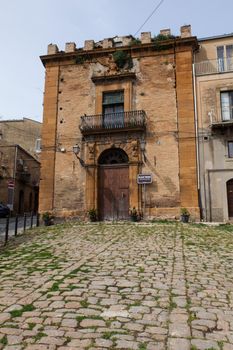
24, 132
113, 110
214, 100
19, 164
19, 179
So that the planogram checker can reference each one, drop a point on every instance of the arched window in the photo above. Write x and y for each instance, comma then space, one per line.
113, 156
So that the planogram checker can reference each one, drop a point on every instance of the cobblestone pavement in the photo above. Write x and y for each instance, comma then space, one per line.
145, 287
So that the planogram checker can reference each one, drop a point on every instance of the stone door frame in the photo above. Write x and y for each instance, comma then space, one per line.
131, 148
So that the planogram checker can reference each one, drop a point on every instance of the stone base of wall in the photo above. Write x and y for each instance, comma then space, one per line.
151, 213
171, 213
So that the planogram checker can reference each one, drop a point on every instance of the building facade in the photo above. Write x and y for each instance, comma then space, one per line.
24, 132
115, 109
19, 164
214, 100
19, 179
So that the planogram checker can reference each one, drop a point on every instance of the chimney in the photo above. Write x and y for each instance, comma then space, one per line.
185, 31
126, 40
52, 49
146, 38
89, 45
107, 43
70, 47
166, 32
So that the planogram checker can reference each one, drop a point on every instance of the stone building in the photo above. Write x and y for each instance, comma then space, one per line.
19, 178
24, 132
214, 100
115, 109
19, 164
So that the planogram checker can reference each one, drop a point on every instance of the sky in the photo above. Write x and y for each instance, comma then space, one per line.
28, 26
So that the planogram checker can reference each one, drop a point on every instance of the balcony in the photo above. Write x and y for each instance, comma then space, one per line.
113, 122
222, 125
214, 66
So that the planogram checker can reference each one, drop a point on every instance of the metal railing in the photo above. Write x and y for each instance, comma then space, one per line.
12, 226
113, 121
222, 65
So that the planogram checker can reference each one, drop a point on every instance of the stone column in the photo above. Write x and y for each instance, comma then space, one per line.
49, 133
91, 176
186, 129
91, 200
133, 186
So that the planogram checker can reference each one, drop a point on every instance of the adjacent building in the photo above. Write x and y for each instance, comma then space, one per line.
19, 179
115, 109
19, 164
24, 132
214, 101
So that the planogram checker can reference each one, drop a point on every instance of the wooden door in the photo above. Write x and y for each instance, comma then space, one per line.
230, 197
113, 192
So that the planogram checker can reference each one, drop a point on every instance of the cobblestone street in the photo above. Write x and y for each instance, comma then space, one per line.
124, 286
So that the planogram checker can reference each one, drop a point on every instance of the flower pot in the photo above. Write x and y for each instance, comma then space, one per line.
134, 218
184, 218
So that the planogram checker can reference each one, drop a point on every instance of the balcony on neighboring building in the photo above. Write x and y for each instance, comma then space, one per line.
222, 125
113, 122
223, 65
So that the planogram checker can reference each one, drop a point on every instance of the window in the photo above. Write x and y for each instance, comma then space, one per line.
227, 105
113, 109
230, 149
229, 52
38, 146
220, 55
225, 64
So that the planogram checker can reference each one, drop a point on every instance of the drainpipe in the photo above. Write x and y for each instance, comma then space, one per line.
197, 140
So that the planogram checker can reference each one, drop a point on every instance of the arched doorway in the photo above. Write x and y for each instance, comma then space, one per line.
230, 197
113, 185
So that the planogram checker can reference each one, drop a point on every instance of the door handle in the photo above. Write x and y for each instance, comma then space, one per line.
122, 195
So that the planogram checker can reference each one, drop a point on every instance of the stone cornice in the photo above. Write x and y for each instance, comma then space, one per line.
101, 78
158, 47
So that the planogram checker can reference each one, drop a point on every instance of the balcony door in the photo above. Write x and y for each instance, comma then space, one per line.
113, 109
113, 185
230, 197
225, 58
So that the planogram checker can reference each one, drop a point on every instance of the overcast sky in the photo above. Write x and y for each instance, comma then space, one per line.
28, 26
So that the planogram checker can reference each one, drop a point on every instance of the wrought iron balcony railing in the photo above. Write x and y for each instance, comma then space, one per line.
113, 122
221, 65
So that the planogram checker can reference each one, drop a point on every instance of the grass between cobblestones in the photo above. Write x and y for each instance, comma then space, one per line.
160, 285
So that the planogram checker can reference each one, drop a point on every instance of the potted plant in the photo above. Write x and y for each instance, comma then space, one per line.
48, 218
93, 216
185, 215
133, 214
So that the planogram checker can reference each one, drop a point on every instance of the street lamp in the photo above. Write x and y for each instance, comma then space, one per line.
76, 150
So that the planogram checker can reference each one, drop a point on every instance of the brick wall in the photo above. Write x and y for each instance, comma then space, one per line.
163, 88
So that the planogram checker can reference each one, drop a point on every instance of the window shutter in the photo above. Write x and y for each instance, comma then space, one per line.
225, 106
229, 50
220, 56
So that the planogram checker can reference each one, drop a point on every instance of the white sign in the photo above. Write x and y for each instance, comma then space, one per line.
11, 184
144, 179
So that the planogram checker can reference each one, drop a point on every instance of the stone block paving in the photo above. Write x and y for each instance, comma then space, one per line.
118, 286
